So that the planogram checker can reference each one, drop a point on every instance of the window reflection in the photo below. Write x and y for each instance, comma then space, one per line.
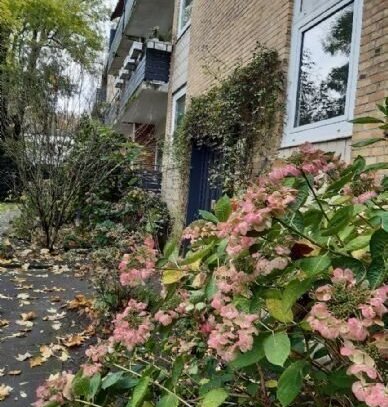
324, 68
180, 110
186, 12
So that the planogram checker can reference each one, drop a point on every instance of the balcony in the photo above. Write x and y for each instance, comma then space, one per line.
138, 18
142, 87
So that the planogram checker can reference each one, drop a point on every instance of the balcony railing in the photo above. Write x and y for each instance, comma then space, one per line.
120, 31
148, 177
152, 69
138, 21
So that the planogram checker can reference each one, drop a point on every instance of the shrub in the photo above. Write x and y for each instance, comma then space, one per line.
278, 301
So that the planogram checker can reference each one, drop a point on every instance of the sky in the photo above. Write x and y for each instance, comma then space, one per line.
89, 83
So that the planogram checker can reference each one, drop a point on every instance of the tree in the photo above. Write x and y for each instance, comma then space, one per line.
40, 40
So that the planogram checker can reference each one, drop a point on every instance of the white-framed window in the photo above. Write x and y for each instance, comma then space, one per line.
323, 70
185, 7
178, 109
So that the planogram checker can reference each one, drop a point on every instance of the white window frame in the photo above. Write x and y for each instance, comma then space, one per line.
176, 96
336, 127
182, 29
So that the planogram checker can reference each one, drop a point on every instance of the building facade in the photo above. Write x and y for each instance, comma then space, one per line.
334, 54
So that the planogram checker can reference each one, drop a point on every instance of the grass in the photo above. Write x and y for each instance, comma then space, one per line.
5, 207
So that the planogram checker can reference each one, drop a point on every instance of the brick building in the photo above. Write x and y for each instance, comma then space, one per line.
334, 54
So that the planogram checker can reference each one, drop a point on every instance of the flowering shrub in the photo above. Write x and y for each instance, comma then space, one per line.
279, 300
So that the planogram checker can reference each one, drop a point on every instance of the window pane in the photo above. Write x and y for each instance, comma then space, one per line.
186, 12
324, 68
180, 110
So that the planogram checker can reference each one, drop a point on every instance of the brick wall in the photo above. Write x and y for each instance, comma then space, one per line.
372, 84
172, 182
225, 32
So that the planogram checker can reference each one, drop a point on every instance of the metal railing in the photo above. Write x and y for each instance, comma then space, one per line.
120, 31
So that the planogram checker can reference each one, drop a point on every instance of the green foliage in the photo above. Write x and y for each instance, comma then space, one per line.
237, 119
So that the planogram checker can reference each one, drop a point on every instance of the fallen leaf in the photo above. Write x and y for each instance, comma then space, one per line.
5, 297
46, 351
25, 323
2, 371
73, 340
3, 322
28, 316
36, 361
14, 372
23, 394
56, 326
22, 358
23, 296
4, 391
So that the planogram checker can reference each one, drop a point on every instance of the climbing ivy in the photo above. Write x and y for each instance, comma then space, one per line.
237, 118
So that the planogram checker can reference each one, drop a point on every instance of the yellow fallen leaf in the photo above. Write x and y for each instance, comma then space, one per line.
36, 361
171, 276
4, 391
46, 351
73, 340
3, 322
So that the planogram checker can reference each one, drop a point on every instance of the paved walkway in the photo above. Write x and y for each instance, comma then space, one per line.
39, 335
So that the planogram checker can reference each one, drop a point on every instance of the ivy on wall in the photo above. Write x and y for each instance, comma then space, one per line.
237, 119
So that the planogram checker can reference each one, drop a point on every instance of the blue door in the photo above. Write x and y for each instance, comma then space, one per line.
202, 194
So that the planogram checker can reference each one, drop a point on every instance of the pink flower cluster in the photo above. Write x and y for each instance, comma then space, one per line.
138, 266
133, 326
56, 389
165, 317
355, 329
97, 353
370, 313
254, 212
235, 332
372, 394
363, 189
199, 230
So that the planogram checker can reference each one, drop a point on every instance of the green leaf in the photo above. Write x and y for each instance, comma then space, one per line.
312, 217
208, 216
379, 244
384, 219
169, 400
95, 382
295, 220
223, 209
279, 310
177, 370
302, 195
81, 386
376, 167
170, 248
340, 219
367, 142
294, 290
382, 109
139, 392
367, 120
315, 265
252, 356
214, 398
198, 255
290, 383
358, 243
211, 288
339, 184
277, 348
111, 379
377, 272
